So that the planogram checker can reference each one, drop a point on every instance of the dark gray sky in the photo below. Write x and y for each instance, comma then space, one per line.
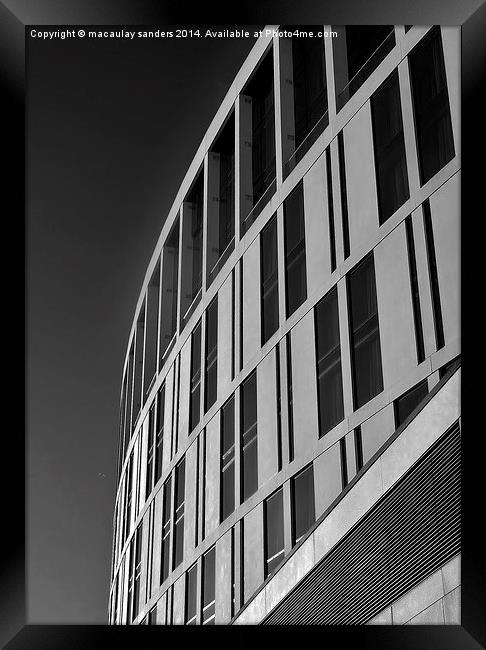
112, 126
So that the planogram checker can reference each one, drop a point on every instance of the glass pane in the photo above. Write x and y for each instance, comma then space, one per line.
274, 528
408, 402
303, 502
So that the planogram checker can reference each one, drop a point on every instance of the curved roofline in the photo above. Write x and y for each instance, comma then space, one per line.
224, 110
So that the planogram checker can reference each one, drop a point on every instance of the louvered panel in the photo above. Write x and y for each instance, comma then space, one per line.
410, 532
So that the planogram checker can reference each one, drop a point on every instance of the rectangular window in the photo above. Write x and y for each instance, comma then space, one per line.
195, 406
149, 481
138, 367
191, 596
344, 194
330, 211
129, 495
414, 287
389, 147
269, 279
295, 271
211, 379
192, 226
454, 363
435, 142
137, 571
358, 448
433, 276
274, 531
221, 201
209, 587
364, 333
180, 496
409, 401
169, 291
227, 458
263, 169
152, 323
279, 406
303, 503
152, 616
344, 462
249, 455
166, 523
290, 394
328, 353
159, 427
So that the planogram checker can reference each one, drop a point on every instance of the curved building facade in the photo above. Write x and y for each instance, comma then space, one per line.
290, 418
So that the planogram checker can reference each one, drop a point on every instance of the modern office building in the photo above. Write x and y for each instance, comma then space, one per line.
290, 414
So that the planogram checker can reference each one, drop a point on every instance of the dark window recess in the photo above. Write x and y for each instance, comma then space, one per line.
290, 394
137, 571
249, 455
303, 503
233, 324
128, 407
168, 296
191, 596
261, 91
221, 200
409, 401
330, 211
209, 587
433, 276
389, 147
180, 495
195, 405
407, 27
295, 271
344, 462
138, 367
357, 52
279, 406
435, 142
344, 194
152, 321
328, 353
358, 448
159, 428
152, 616
211, 379
455, 363
166, 523
269, 279
310, 94
192, 227
149, 479
128, 495
364, 333
227, 458
274, 532
414, 287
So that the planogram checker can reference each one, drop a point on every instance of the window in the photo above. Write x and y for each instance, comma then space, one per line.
180, 492
357, 51
136, 572
389, 146
152, 616
170, 275
209, 588
414, 287
249, 455
152, 322
211, 379
433, 276
330, 210
364, 331
290, 394
269, 279
433, 125
150, 452
221, 206
328, 353
138, 366
227, 458
310, 95
295, 272
129, 495
274, 531
344, 194
261, 91
409, 401
454, 363
166, 522
159, 441
191, 596
303, 503
192, 249
358, 448
195, 407
344, 462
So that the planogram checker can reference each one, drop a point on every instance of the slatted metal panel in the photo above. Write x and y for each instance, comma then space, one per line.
410, 532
